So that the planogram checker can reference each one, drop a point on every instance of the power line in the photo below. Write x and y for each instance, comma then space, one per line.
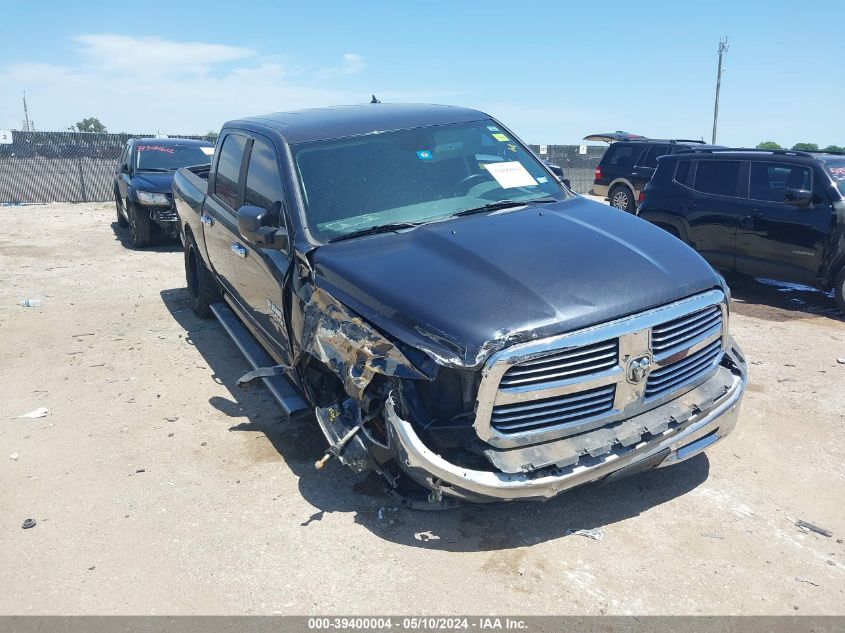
723, 49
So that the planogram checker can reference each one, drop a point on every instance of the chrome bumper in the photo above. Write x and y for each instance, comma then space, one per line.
704, 426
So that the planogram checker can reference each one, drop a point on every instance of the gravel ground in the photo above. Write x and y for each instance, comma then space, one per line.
158, 486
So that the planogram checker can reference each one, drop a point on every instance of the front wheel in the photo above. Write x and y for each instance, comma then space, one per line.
140, 226
121, 220
622, 198
202, 286
839, 289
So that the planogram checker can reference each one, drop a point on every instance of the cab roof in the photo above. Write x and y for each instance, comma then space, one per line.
316, 124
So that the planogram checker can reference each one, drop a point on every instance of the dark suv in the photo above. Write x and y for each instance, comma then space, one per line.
777, 214
143, 180
629, 164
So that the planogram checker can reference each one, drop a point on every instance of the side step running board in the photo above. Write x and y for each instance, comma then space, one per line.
283, 391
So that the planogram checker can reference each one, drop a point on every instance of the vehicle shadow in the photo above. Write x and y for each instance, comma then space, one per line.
159, 245
467, 528
780, 301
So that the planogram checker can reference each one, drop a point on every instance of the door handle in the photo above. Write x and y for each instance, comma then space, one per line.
238, 250
206, 219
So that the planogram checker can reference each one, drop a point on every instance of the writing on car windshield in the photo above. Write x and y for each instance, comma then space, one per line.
837, 170
415, 176
152, 156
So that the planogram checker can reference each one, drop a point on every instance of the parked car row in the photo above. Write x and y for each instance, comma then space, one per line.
454, 318
778, 214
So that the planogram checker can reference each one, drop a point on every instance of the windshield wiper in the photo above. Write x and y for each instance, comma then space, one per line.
153, 169
503, 204
379, 228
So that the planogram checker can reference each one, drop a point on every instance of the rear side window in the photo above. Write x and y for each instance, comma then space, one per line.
717, 177
620, 155
769, 181
682, 172
649, 158
263, 181
229, 169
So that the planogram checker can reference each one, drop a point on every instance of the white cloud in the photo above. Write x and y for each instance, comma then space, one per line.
127, 53
146, 84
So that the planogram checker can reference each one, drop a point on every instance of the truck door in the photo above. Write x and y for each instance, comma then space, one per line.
219, 218
711, 208
778, 239
261, 272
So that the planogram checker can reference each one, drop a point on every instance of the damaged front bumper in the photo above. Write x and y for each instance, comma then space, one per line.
671, 433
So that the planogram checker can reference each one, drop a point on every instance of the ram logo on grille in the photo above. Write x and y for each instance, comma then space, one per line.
638, 368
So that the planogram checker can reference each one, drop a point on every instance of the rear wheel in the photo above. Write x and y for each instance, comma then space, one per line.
622, 198
839, 289
202, 286
140, 228
121, 220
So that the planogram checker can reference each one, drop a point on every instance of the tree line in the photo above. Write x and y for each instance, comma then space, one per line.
803, 147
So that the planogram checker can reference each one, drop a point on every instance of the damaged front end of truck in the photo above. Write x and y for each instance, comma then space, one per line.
524, 416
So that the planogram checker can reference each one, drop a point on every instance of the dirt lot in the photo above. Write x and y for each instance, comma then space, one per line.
158, 486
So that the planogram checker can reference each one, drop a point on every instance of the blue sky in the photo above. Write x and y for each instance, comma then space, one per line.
553, 71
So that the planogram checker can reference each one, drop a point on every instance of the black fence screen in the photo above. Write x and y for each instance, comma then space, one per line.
61, 166
579, 162
41, 167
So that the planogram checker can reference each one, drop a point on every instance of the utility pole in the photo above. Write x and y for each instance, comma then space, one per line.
27, 126
723, 49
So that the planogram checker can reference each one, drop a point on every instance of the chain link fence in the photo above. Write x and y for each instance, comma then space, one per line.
579, 168
38, 167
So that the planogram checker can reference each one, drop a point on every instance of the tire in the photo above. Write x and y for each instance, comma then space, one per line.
839, 290
140, 229
121, 220
622, 198
202, 286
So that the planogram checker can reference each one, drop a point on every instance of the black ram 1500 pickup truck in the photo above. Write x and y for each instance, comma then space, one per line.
452, 314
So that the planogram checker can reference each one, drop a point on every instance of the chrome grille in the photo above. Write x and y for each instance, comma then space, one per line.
683, 372
564, 365
567, 409
685, 331
577, 382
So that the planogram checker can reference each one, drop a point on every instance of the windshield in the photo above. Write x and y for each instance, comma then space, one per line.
170, 157
413, 176
837, 171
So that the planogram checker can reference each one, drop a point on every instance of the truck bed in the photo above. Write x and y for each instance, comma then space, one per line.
190, 185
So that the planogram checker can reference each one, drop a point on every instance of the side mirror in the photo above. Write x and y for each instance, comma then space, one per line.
557, 170
798, 197
255, 225
124, 168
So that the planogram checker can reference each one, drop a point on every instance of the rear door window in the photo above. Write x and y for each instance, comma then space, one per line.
769, 181
717, 177
649, 158
229, 169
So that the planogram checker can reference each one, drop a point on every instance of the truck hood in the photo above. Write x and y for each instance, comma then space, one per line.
462, 288
153, 181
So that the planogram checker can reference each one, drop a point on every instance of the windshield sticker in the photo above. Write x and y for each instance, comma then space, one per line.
511, 174
501, 138
424, 154
156, 148
492, 128
838, 173
512, 147
208, 151
542, 180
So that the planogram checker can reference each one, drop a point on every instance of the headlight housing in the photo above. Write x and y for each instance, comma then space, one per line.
148, 197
